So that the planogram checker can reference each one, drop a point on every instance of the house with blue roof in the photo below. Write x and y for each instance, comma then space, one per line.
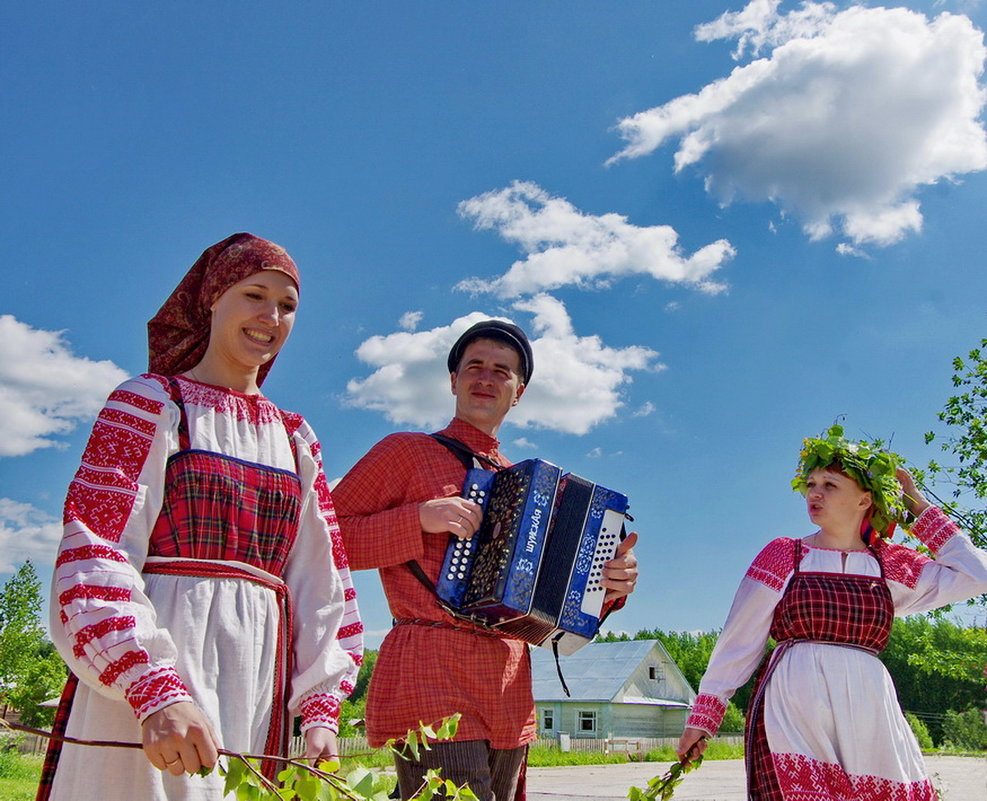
617, 689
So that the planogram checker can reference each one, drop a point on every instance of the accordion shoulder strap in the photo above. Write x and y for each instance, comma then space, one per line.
465, 454
469, 459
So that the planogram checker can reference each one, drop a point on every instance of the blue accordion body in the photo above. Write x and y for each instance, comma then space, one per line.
533, 569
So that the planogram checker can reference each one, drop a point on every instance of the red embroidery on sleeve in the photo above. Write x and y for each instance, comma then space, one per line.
349, 631
87, 634
772, 566
902, 565
707, 713
102, 494
137, 401
320, 709
934, 529
153, 690
89, 552
122, 665
93, 591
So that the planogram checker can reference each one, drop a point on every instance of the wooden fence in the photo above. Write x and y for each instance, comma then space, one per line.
34, 744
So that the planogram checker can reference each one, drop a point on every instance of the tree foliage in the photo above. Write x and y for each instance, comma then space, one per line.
691, 652
30, 669
965, 730
937, 665
965, 442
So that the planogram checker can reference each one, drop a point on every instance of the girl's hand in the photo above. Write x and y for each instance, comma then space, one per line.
179, 739
914, 499
320, 745
692, 744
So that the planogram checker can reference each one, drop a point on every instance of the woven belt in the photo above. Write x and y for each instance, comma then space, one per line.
441, 624
278, 730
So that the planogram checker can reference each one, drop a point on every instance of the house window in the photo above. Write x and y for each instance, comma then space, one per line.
548, 719
653, 673
587, 721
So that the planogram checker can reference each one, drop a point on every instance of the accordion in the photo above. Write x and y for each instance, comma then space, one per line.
533, 569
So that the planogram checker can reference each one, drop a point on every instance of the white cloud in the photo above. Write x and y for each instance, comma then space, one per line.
409, 320
564, 246
524, 443
595, 453
577, 383
26, 533
646, 409
45, 390
841, 124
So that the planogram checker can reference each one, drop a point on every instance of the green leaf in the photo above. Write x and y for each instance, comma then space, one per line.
329, 765
361, 781
234, 775
248, 792
307, 787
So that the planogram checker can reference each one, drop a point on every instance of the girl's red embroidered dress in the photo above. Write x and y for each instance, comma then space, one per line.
824, 723
201, 561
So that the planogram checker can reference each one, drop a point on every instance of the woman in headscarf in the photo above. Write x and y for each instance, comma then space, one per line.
201, 594
824, 720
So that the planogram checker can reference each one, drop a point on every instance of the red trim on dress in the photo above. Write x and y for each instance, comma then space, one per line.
801, 777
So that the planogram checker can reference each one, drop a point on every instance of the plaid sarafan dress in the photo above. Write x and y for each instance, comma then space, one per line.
824, 723
201, 561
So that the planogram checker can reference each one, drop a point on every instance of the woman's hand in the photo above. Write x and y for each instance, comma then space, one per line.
912, 495
620, 573
320, 745
692, 744
179, 739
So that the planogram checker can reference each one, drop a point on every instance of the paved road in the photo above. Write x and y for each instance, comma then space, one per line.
958, 779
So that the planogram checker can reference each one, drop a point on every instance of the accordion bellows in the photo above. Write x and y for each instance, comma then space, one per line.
533, 569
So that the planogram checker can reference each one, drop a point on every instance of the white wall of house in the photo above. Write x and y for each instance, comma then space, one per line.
583, 719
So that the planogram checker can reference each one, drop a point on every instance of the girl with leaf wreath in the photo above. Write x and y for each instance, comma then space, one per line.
201, 595
824, 720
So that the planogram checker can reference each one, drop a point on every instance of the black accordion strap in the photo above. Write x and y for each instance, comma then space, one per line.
558, 668
469, 460
465, 454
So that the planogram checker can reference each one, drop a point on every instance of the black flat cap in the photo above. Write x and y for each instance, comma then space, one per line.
498, 330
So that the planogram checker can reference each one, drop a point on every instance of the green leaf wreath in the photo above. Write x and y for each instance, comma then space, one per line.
872, 466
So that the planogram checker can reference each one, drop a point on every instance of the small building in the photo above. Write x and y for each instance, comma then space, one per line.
618, 689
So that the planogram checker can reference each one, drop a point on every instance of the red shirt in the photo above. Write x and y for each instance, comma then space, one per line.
425, 673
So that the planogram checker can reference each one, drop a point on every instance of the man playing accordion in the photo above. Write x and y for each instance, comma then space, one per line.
399, 504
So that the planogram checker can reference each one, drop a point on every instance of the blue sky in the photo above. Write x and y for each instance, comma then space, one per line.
723, 224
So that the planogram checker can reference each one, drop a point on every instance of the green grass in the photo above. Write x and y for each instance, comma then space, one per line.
19, 774
544, 757
715, 750
541, 756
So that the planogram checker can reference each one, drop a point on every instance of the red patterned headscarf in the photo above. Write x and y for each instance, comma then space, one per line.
177, 336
